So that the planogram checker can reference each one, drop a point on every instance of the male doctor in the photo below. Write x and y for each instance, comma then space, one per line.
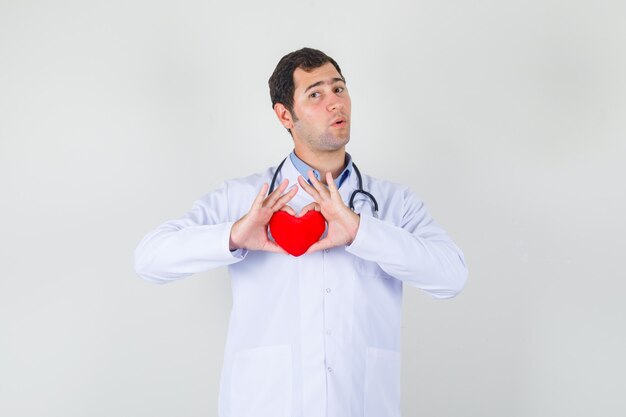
319, 334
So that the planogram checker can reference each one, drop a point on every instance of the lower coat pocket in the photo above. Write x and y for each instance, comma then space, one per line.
261, 382
382, 383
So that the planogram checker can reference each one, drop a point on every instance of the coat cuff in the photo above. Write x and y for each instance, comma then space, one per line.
228, 255
362, 246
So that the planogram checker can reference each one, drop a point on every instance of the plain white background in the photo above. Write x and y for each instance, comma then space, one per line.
506, 117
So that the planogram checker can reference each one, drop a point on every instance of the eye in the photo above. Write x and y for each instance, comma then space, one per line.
314, 95
339, 89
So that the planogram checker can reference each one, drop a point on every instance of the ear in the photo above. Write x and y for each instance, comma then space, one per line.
284, 115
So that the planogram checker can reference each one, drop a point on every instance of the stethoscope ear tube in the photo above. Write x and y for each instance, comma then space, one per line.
362, 191
354, 193
274, 177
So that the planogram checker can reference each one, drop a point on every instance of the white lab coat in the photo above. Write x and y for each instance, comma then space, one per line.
316, 335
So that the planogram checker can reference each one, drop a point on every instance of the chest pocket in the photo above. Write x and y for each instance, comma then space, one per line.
367, 268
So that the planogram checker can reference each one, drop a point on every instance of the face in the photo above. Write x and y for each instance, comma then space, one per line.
320, 120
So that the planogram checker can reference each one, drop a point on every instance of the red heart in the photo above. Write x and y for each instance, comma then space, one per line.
297, 234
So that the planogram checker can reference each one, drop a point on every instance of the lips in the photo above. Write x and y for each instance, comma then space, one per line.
340, 121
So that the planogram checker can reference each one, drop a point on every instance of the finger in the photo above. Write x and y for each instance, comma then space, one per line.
320, 245
323, 192
313, 206
273, 247
258, 200
284, 199
275, 195
288, 210
308, 189
332, 187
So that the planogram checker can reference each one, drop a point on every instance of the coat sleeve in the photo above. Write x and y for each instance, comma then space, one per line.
196, 242
416, 251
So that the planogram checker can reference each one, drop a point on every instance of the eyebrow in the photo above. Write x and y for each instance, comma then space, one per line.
334, 80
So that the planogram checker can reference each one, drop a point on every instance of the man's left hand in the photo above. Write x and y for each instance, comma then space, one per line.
343, 223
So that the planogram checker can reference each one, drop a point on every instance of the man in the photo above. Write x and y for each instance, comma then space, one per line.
319, 334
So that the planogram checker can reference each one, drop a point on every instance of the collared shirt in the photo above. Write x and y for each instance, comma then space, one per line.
303, 169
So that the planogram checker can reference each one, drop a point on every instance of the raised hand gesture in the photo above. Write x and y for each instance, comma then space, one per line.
250, 232
343, 223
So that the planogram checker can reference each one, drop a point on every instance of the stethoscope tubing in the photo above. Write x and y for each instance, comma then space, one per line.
354, 193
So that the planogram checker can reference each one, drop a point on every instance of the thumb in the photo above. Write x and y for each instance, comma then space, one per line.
320, 245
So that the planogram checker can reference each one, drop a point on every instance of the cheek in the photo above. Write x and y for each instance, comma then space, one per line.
311, 115
301, 111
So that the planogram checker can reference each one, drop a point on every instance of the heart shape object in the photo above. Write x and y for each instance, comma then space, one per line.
296, 234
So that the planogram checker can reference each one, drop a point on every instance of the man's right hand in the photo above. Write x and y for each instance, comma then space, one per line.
250, 232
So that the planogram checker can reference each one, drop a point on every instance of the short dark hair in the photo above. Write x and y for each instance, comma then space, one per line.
281, 82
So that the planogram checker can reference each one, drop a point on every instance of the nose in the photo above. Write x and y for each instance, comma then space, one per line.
334, 104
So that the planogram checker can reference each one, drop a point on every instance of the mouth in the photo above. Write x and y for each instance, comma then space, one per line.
339, 122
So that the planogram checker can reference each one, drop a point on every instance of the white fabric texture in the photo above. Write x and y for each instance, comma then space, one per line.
315, 335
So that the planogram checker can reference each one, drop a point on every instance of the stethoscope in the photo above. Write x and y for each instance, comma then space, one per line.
354, 193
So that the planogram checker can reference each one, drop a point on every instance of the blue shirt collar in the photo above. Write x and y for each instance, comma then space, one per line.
303, 168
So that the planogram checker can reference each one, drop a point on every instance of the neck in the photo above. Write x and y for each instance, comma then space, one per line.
333, 161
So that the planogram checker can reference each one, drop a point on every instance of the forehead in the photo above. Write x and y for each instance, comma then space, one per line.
302, 79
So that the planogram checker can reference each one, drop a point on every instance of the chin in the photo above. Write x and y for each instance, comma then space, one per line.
344, 141
335, 145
